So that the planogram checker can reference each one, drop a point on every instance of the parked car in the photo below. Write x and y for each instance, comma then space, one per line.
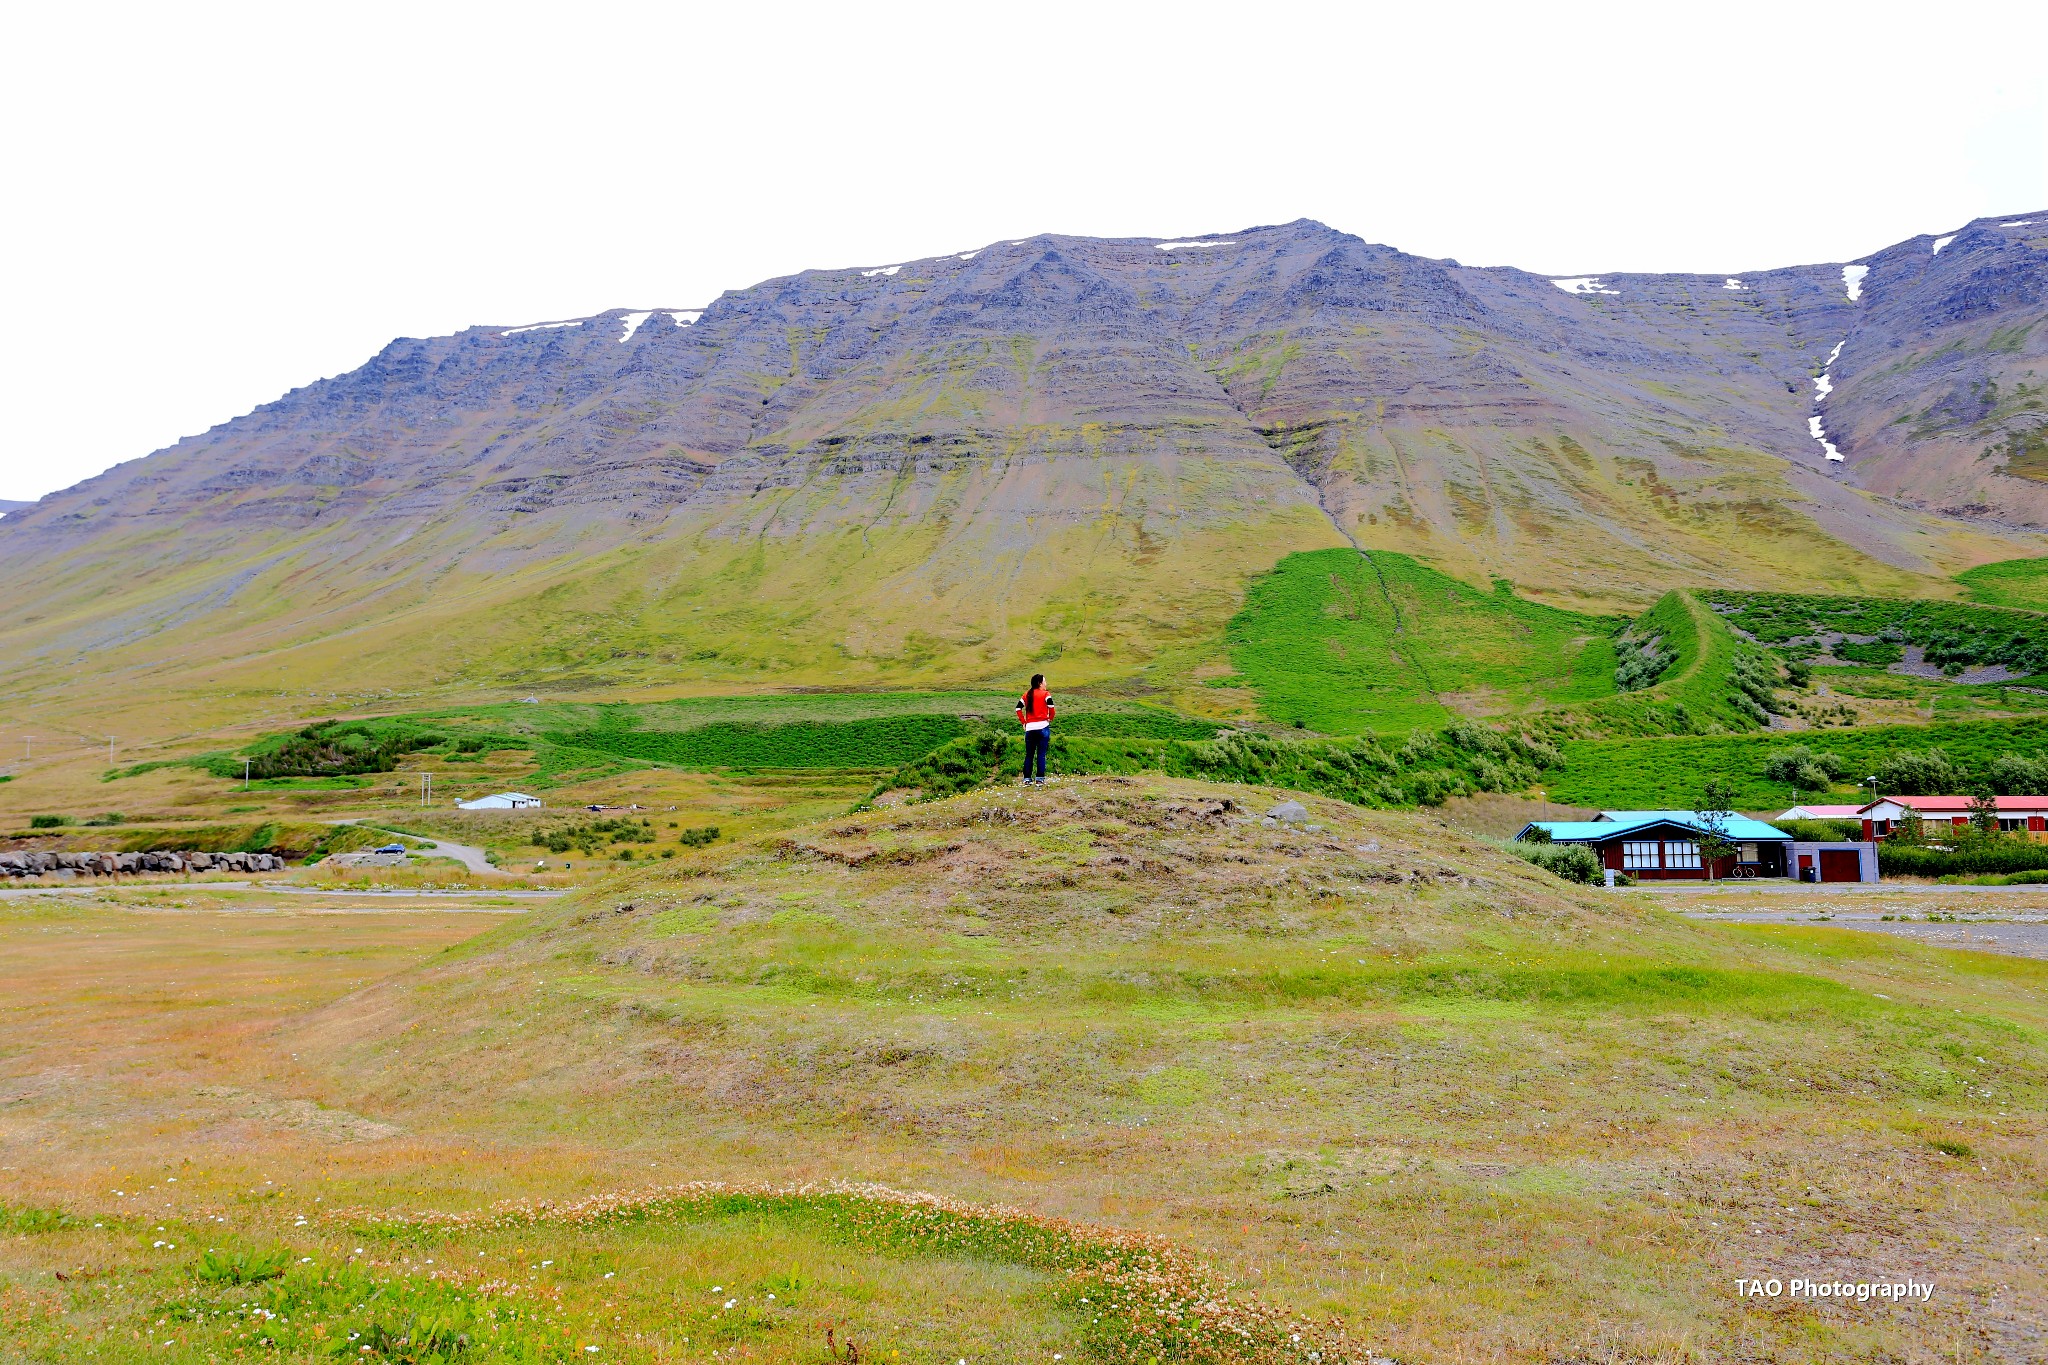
389, 848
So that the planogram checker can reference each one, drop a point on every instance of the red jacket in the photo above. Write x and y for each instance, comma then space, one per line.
1035, 705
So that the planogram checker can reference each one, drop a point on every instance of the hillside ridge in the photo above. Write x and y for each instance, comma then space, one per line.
1055, 448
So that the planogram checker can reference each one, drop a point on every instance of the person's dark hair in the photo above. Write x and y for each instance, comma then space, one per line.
1037, 680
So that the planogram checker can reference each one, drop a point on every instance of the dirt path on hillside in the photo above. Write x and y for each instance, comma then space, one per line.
471, 858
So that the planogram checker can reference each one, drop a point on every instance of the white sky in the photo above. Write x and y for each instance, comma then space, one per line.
208, 204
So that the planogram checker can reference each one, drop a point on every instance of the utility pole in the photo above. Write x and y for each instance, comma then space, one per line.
245, 773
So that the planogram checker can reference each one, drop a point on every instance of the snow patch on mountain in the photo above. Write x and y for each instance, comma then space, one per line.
880, 270
1852, 280
1940, 242
1584, 284
1182, 246
633, 321
540, 327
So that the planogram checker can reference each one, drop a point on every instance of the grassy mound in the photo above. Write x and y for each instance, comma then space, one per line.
1708, 681
1350, 643
1503, 1115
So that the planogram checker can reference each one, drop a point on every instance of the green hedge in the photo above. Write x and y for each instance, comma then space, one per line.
1971, 858
1426, 769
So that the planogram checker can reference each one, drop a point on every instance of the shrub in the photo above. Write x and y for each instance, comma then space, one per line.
1572, 862
48, 821
592, 835
1801, 767
698, 838
1641, 662
2018, 775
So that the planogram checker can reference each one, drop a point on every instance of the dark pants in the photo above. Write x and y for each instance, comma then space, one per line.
1036, 744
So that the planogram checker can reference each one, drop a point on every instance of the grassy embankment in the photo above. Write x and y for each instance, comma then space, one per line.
1380, 1072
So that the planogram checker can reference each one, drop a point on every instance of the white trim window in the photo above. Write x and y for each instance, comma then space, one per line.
1681, 854
1637, 857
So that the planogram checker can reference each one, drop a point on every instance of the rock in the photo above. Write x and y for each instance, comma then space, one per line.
1289, 812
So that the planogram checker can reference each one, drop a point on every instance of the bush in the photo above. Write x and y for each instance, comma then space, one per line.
1925, 772
2018, 775
1642, 664
1572, 862
1801, 767
591, 836
1878, 653
698, 838
48, 821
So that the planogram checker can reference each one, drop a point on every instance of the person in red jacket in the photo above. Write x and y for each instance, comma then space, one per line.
1034, 713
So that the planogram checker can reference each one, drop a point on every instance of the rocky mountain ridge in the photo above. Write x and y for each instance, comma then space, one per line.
948, 466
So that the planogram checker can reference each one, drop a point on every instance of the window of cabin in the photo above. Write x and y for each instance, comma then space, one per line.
1681, 853
1638, 855
1746, 853
2011, 822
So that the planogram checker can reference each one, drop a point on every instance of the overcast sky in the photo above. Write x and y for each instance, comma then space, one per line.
210, 204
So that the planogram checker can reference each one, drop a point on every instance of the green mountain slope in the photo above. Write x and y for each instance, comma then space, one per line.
1351, 643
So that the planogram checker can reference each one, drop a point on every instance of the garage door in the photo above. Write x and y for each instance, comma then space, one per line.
1841, 865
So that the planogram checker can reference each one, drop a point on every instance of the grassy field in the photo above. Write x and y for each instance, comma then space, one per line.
1438, 1104
1656, 774
1351, 643
2019, 583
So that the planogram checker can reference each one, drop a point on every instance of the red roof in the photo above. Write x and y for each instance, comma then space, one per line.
1960, 805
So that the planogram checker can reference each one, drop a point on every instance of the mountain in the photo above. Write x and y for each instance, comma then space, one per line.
1055, 448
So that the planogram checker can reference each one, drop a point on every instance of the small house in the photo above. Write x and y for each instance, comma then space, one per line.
501, 801
1663, 845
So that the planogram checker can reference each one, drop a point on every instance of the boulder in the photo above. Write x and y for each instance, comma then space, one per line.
1288, 812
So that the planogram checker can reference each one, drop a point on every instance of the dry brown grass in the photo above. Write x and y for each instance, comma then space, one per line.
1378, 1071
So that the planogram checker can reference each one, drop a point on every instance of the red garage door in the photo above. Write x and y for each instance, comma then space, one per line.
1841, 865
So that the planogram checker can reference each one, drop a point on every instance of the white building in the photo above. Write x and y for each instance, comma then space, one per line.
502, 801
1822, 813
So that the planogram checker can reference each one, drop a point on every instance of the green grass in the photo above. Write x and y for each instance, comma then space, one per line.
1654, 774
852, 744
1352, 643
2019, 583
